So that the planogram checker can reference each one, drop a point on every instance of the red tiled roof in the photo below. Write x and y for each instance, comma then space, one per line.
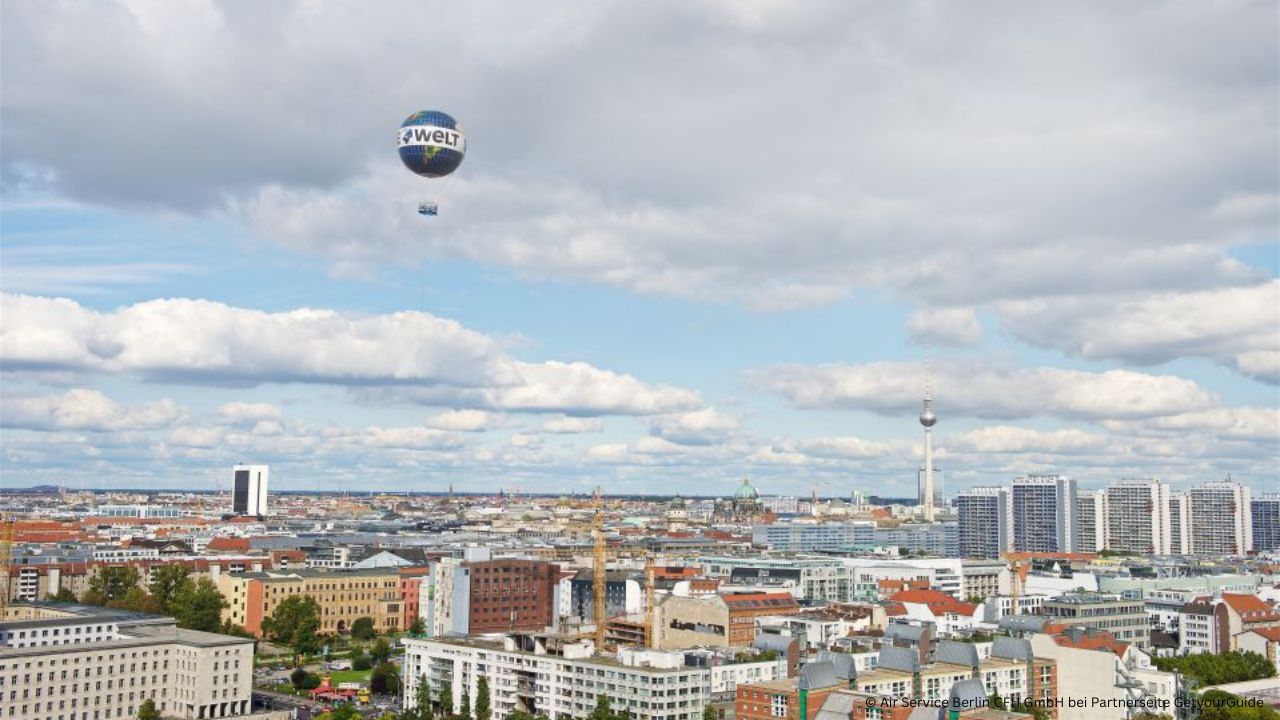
1271, 633
1093, 641
231, 544
939, 602
1242, 603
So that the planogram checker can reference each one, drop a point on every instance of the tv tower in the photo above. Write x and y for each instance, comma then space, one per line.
928, 420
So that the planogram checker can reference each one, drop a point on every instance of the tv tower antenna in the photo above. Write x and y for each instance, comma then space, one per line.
928, 420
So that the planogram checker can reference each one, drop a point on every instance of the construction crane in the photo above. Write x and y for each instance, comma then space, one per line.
649, 576
598, 573
1019, 566
6, 562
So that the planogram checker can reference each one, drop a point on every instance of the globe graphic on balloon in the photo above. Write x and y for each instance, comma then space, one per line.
431, 143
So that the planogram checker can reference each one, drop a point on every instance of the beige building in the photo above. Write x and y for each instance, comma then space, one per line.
72, 662
343, 596
688, 622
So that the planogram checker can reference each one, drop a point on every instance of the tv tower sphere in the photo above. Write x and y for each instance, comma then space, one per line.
927, 418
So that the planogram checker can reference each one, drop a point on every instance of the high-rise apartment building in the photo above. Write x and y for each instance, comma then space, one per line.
1091, 521
249, 490
1266, 522
1179, 524
1138, 517
1044, 513
1221, 518
985, 519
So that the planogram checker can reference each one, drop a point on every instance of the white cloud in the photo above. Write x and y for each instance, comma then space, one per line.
86, 410
931, 174
698, 427
969, 389
1237, 327
573, 425
844, 448
945, 326
461, 420
238, 412
1237, 423
1007, 439
423, 357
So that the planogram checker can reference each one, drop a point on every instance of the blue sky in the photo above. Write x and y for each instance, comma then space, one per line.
655, 270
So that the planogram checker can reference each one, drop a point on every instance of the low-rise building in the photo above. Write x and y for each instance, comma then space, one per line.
75, 662
1125, 619
558, 677
344, 596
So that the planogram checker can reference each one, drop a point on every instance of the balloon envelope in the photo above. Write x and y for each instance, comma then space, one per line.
431, 143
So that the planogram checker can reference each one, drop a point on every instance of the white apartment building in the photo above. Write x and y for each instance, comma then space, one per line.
1179, 524
71, 662
558, 677
1107, 681
1221, 518
1092, 521
985, 519
1044, 514
1138, 517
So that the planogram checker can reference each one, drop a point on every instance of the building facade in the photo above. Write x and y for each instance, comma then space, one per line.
1221, 518
249, 490
1179, 524
1126, 620
557, 677
1266, 522
1092, 522
985, 522
1138, 517
74, 662
343, 596
1044, 514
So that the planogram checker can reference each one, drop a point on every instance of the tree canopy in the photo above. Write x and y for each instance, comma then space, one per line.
296, 623
1219, 668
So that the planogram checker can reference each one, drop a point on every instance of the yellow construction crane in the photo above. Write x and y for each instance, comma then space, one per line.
648, 599
598, 572
6, 562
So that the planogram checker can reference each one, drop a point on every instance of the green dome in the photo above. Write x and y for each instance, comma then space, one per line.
746, 492
677, 502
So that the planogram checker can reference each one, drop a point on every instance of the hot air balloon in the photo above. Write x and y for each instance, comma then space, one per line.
431, 145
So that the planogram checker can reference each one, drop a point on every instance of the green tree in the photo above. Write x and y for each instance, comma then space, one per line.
167, 582
64, 595
137, 600
381, 651
230, 628
198, 606
385, 679
709, 713
446, 700
360, 660
1219, 668
362, 629
110, 583
464, 706
1219, 705
148, 711
483, 711
602, 710
422, 700
295, 623
298, 677
417, 628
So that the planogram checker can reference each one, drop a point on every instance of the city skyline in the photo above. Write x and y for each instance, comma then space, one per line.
622, 288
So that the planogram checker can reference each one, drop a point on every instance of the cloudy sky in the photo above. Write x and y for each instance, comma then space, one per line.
690, 241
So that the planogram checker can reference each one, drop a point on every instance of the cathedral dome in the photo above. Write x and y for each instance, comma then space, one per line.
746, 492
